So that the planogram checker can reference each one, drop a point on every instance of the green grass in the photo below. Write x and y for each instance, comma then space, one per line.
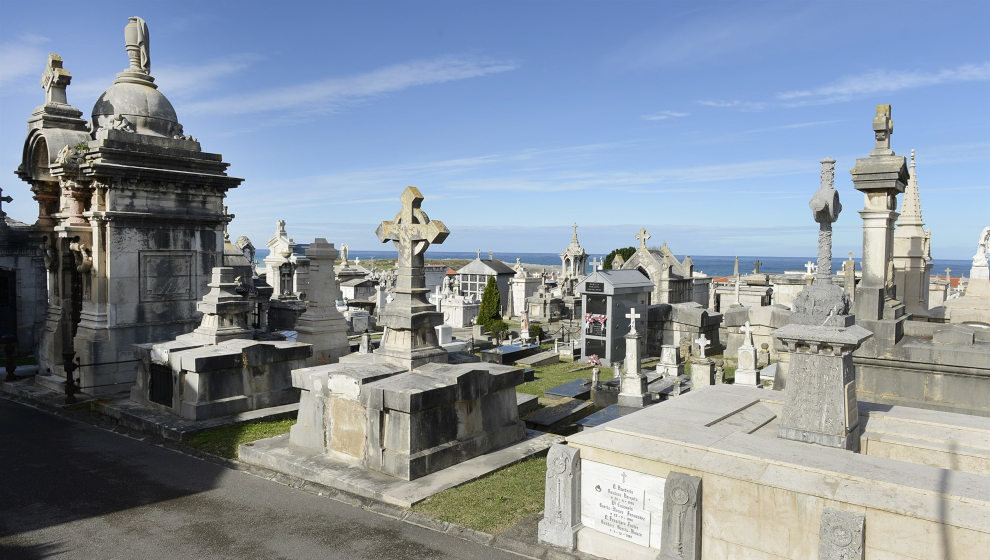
224, 441
493, 503
548, 377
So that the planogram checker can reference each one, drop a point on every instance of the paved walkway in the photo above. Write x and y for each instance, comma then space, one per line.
71, 490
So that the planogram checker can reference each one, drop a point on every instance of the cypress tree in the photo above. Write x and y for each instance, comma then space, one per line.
491, 304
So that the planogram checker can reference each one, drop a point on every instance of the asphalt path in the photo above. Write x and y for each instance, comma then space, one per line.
72, 490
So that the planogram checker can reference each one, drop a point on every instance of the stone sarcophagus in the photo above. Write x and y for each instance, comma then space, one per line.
407, 424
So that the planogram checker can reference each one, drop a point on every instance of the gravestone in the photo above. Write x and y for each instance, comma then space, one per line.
746, 369
681, 533
321, 324
670, 361
702, 367
561, 517
632, 392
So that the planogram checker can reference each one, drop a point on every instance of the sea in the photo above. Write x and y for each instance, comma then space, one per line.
712, 265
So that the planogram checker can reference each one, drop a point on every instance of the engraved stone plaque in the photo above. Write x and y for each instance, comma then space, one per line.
166, 276
622, 503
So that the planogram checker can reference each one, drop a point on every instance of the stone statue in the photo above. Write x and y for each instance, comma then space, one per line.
138, 43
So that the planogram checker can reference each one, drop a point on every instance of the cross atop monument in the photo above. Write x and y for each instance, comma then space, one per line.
756, 266
55, 80
883, 127
809, 267
747, 331
643, 236
479, 254
947, 269
412, 231
574, 237
2, 200
228, 217
632, 316
703, 343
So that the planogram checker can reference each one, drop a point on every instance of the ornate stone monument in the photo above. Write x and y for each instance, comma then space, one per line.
410, 320
132, 214
820, 403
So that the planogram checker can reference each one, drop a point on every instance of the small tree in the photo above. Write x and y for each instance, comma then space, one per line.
626, 253
491, 304
498, 329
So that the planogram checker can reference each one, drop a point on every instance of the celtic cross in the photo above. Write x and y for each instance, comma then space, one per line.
412, 231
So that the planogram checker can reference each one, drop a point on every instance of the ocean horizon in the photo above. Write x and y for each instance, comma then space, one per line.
712, 265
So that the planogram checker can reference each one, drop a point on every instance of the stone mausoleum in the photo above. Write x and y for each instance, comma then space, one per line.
130, 209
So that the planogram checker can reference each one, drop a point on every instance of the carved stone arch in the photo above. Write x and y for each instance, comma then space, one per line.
644, 272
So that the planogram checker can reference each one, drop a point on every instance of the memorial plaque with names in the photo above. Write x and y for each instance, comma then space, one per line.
595, 329
622, 503
596, 287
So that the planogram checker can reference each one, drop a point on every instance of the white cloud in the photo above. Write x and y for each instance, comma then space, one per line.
884, 81
664, 115
22, 57
327, 95
733, 104
182, 80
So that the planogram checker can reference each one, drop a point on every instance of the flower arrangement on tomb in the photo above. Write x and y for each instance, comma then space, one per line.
595, 360
595, 318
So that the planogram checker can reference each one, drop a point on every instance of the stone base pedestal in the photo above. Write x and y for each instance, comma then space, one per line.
702, 373
820, 404
328, 335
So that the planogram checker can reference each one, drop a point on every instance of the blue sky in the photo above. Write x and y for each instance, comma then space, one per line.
702, 121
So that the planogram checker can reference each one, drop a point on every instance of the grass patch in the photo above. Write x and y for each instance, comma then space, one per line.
223, 441
493, 503
550, 376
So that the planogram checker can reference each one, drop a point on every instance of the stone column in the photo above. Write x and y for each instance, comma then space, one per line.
880, 177
321, 324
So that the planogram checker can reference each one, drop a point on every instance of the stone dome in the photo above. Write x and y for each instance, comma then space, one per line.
136, 107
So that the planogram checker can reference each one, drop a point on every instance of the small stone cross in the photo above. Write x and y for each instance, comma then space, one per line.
809, 267
756, 266
2, 200
703, 343
632, 316
643, 236
883, 127
747, 330
947, 269
55, 80
412, 231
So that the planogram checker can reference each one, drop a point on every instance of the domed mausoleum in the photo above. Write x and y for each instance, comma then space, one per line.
130, 210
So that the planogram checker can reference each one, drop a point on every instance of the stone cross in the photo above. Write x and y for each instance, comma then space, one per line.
747, 330
2, 200
809, 267
883, 127
756, 266
643, 236
703, 343
55, 80
228, 217
574, 225
479, 254
826, 207
632, 316
412, 231
947, 269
